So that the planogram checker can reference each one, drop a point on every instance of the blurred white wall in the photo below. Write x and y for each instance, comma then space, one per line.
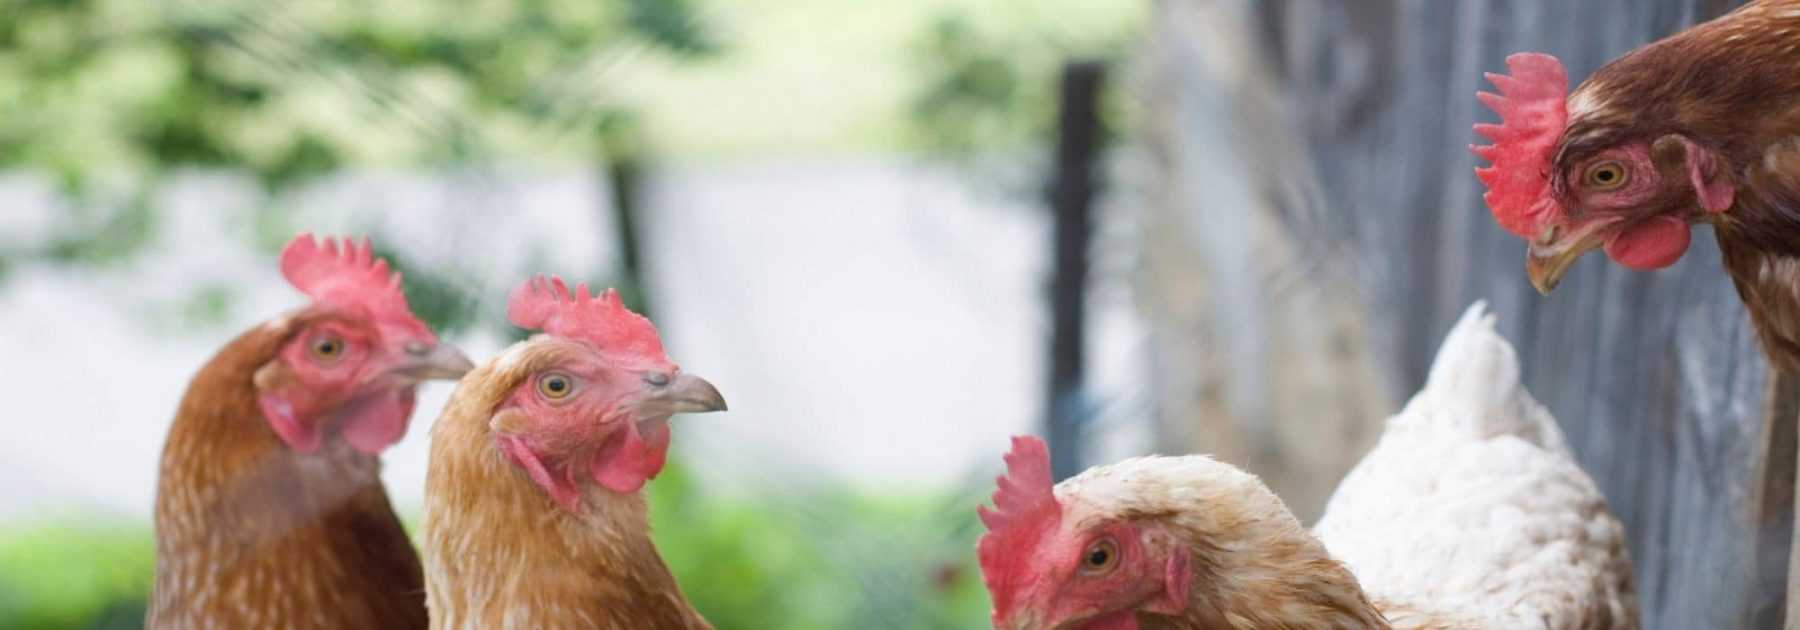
870, 320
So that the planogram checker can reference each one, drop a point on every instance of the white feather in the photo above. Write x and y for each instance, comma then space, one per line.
1472, 507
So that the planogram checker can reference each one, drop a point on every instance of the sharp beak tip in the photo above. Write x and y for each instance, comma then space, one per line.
692, 394
445, 362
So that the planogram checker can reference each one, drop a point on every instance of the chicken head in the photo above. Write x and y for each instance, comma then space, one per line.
592, 396
1048, 564
352, 360
1568, 174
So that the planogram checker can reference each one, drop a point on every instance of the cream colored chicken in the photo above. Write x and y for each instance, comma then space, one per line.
1469, 513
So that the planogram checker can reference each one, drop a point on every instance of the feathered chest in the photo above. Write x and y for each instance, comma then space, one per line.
1769, 284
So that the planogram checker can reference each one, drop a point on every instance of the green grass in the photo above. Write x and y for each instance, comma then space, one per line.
69, 573
821, 558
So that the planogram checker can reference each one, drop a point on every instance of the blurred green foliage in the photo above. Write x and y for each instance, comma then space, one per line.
290, 89
74, 573
110, 94
823, 559
985, 87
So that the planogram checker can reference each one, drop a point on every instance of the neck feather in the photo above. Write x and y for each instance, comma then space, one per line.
520, 557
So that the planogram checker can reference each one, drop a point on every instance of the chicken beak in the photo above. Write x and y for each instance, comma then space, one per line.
1550, 256
684, 393
442, 361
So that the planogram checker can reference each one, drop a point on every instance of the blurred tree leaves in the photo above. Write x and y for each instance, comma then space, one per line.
127, 90
288, 90
983, 88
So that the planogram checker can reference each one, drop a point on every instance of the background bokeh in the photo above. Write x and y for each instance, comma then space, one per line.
857, 220
837, 217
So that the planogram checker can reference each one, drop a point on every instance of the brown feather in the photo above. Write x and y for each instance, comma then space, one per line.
252, 535
1728, 84
501, 553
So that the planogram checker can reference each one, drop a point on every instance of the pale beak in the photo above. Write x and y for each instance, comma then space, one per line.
1550, 256
423, 363
683, 393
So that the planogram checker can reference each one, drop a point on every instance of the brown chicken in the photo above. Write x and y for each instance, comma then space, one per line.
1700, 127
533, 515
269, 509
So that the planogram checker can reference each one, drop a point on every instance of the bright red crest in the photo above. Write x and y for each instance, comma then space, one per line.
348, 274
1533, 109
547, 304
1025, 508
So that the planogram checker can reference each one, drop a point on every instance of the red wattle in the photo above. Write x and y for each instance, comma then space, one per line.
1653, 243
286, 423
628, 460
374, 424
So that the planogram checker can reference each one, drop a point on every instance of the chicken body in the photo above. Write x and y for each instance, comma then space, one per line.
252, 535
502, 554
1471, 507
270, 511
533, 514
1470, 513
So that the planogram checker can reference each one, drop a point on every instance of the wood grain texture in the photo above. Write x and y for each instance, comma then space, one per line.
1655, 377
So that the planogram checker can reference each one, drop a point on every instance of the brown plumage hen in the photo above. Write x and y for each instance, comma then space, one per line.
533, 515
1699, 127
269, 509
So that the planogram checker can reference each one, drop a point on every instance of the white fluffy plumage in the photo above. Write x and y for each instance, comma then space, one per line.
1472, 508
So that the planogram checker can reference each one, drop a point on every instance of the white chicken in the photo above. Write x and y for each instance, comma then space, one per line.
1469, 513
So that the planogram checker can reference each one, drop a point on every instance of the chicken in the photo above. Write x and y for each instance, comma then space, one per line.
533, 515
1469, 513
1699, 127
269, 509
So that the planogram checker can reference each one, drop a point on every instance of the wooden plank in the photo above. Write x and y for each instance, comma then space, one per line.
1655, 376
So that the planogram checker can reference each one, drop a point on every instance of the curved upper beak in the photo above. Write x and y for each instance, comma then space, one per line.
684, 393
442, 361
1550, 256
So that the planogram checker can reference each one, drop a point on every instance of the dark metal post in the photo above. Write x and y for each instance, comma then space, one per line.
1071, 199
622, 151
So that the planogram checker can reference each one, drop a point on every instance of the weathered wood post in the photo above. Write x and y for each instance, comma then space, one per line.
1656, 378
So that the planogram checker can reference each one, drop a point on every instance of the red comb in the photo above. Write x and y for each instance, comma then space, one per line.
1024, 509
548, 305
1025, 490
1533, 111
346, 274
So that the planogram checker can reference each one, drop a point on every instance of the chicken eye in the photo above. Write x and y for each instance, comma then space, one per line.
1606, 175
1100, 557
556, 385
326, 349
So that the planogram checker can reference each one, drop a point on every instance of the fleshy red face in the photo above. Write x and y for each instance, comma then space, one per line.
1555, 183
1051, 565
1094, 578
1635, 201
342, 373
351, 361
581, 414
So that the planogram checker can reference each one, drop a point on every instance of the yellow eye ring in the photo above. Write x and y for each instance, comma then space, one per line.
555, 385
1606, 175
1100, 558
326, 349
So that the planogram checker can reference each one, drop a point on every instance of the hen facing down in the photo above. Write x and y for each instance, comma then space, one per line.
1698, 128
1469, 513
533, 515
270, 511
